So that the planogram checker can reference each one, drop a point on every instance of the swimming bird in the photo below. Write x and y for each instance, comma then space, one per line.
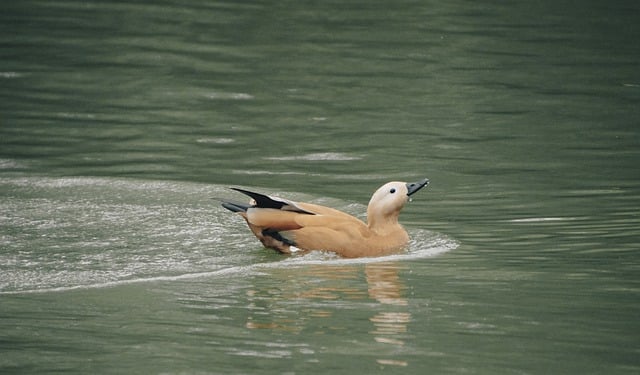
290, 227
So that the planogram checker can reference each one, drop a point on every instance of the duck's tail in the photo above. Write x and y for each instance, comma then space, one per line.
263, 201
236, 207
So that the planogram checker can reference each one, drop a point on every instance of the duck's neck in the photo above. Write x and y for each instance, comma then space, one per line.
383, 224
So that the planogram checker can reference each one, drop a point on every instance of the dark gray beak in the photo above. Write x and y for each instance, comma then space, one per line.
413, 187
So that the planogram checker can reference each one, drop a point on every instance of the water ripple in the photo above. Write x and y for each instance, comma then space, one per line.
61, 234
319, 156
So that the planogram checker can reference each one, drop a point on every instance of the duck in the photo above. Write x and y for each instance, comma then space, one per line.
297, 227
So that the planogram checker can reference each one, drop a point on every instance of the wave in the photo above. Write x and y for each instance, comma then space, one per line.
65, 234
418, 249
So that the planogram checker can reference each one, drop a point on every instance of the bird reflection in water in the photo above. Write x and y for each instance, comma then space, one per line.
310, 295
386, 287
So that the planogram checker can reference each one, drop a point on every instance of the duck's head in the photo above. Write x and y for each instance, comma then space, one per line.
388, 200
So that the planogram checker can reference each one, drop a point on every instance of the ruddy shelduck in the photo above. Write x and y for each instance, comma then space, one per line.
290, 227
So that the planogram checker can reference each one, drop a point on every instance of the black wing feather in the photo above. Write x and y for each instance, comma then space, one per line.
264, 201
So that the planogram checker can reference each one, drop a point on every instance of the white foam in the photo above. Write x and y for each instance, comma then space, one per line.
418, 249
319, 156
538, 219
109, 284
10, 75
102, 233
229, 96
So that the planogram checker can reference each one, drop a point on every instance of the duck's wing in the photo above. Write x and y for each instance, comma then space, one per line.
324, 210
265, 201
309, 232
345, 236
279, 224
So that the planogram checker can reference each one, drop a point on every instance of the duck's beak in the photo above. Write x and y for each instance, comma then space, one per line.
413, 187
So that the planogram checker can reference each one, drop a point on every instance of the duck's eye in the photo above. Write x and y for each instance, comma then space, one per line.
393, 190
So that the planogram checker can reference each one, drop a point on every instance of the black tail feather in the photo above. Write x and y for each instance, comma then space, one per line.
262, 200
235, 207
265, 201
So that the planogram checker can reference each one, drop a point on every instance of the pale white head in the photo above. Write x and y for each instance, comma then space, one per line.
388, 200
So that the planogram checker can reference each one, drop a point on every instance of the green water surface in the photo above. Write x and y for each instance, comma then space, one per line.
122, 122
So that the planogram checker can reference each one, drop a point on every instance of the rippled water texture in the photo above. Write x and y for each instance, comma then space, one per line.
123, 123
73, 233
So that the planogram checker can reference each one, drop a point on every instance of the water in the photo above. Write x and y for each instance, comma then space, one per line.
121, 123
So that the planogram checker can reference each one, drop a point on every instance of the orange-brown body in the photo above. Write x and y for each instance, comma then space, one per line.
289, 226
